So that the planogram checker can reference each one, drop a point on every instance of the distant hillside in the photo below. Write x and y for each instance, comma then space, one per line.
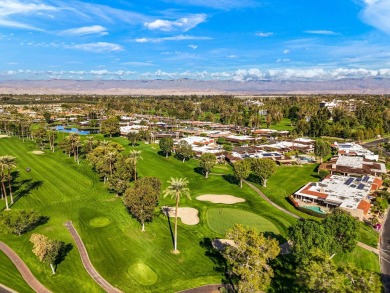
190, 86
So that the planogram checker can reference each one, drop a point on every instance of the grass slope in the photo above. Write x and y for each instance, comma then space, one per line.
10, 275
63, 190
222, 219
361, 258
287, 180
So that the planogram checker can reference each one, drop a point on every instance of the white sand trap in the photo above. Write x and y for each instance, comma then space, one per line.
188, 216
37, 152
221, 244
220, 198
3, 136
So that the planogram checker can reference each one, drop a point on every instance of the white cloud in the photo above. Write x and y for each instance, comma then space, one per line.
286, 51
183, 24
217, 4
14, 8
86, 30
283, 60
99, 47
193, 46
173, 38
320, 32
135, 63
313, 73
264, 34
377, 14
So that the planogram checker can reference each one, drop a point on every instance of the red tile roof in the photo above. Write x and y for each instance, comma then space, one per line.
365, 206
314, 193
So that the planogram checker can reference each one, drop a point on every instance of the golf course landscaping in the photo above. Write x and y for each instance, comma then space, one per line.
129, 259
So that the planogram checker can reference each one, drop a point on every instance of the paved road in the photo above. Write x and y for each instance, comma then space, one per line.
23, 269
375, 142
5, 289
87, 262
385, 254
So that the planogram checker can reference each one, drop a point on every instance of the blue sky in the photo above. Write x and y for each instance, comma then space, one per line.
201, 39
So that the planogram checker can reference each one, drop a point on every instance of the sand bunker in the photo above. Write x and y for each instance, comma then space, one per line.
3, 136
37, 152
220, 244
188, 216
220, 198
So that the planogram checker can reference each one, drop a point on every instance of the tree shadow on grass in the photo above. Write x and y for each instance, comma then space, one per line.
165, 212
162, 154
231, 179
65, 249
199, 170
220, 265
25, 187
254, 178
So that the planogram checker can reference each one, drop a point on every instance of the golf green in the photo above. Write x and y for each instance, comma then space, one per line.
143, 274
220, 220
99, 222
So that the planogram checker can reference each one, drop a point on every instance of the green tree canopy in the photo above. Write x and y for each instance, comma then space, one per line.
318, 273
19, 221
142, 199
309, 234
110, 126
322, 148
343, 228
166, 145
249, 258
242, 169
207, 162
264, 168
184, 150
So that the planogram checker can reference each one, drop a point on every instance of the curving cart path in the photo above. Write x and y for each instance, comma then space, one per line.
23, 269
87, 263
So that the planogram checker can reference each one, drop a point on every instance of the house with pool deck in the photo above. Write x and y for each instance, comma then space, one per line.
346, 192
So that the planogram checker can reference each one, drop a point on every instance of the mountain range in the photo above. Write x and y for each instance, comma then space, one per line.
199, 87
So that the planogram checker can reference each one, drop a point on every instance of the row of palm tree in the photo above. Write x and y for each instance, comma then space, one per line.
7, 164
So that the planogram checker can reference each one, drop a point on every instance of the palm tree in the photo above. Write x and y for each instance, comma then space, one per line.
10, 164
3, 166
176, 189
134, 156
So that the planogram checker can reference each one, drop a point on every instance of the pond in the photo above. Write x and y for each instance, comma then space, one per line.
61, 128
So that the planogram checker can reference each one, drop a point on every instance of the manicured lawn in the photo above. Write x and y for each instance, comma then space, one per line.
284, 124
222, 219
361, 257
10, 276
62, 190
285, 181
368, 235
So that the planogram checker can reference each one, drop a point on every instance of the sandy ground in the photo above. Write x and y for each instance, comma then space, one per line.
220, 198
220, 244
37, 152
188, 216
3, 136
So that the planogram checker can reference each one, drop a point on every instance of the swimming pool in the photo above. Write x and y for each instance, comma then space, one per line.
316, 209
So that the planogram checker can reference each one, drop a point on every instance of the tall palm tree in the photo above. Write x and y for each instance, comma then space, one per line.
10, 164
134, 156
176, 189
3, 167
